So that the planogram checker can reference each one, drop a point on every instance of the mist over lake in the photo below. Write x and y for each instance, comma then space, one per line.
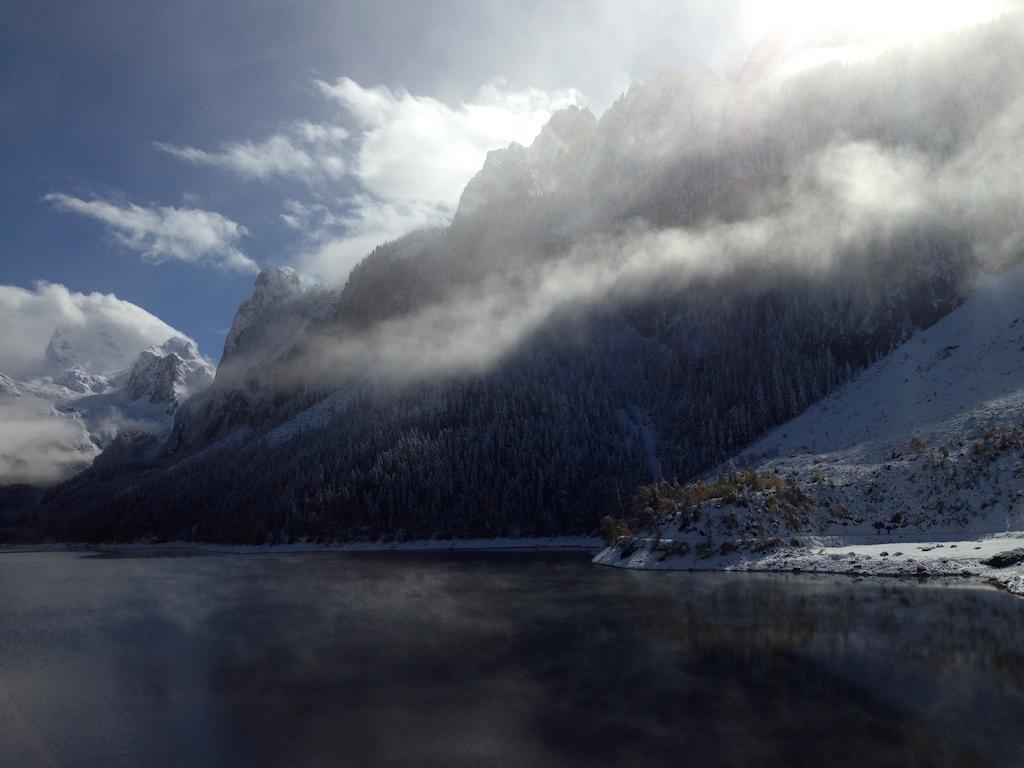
504, 659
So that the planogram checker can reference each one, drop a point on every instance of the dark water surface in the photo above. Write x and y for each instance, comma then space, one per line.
494, 660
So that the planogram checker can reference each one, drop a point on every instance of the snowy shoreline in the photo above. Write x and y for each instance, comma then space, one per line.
928, 557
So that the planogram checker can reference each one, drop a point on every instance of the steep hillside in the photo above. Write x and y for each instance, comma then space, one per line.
967, 369
927, 445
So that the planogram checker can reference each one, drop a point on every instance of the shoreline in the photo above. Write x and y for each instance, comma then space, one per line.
547, 543
938, 557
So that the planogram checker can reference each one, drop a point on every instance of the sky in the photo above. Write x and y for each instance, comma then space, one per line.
165, 152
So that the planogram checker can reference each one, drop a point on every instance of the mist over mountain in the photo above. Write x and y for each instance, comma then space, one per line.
76, 370
56, 425
632, 297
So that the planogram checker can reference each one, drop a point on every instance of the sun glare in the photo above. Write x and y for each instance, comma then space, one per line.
875, 23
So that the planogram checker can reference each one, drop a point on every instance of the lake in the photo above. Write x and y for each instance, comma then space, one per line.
496, 659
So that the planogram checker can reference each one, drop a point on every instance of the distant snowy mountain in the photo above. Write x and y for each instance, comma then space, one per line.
168, 374
57, 424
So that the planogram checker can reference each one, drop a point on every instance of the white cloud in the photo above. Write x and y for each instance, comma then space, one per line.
167, 234
880, 23
413, 157
40, 446
368, 223
403, 161
105, 333
303, 217
416, 148
308, 151
805, 34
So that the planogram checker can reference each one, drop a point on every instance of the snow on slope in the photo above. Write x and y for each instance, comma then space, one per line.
927, 445
315, 417
967, 368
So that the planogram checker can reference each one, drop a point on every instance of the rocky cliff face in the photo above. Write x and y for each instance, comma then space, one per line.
552, 163
273, 289
266, 329
168, 374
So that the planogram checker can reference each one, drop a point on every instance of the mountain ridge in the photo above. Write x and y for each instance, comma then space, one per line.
635, 297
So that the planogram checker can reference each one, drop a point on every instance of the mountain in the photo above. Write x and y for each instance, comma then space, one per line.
926, 445
57, 424
929, 438
268, 325
632, 298
168, 374
273, 289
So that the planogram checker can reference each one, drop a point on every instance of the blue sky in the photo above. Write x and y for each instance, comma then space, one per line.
270, 155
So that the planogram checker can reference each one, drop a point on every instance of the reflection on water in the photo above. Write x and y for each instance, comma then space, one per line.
495, 660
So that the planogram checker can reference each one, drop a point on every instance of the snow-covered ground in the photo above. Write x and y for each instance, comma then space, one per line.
922, 454
924, 558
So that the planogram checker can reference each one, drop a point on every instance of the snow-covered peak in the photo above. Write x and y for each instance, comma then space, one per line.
80, 354
169, 373
273, 287
95, 353
88, 367
561, 149
59, 350
649, 127
182, 347
277, 284
77, 380
566, 128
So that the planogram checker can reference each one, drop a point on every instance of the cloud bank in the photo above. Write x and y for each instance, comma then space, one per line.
308, 151
165, 233
40, 446
334, 240
814, 175
106, 333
